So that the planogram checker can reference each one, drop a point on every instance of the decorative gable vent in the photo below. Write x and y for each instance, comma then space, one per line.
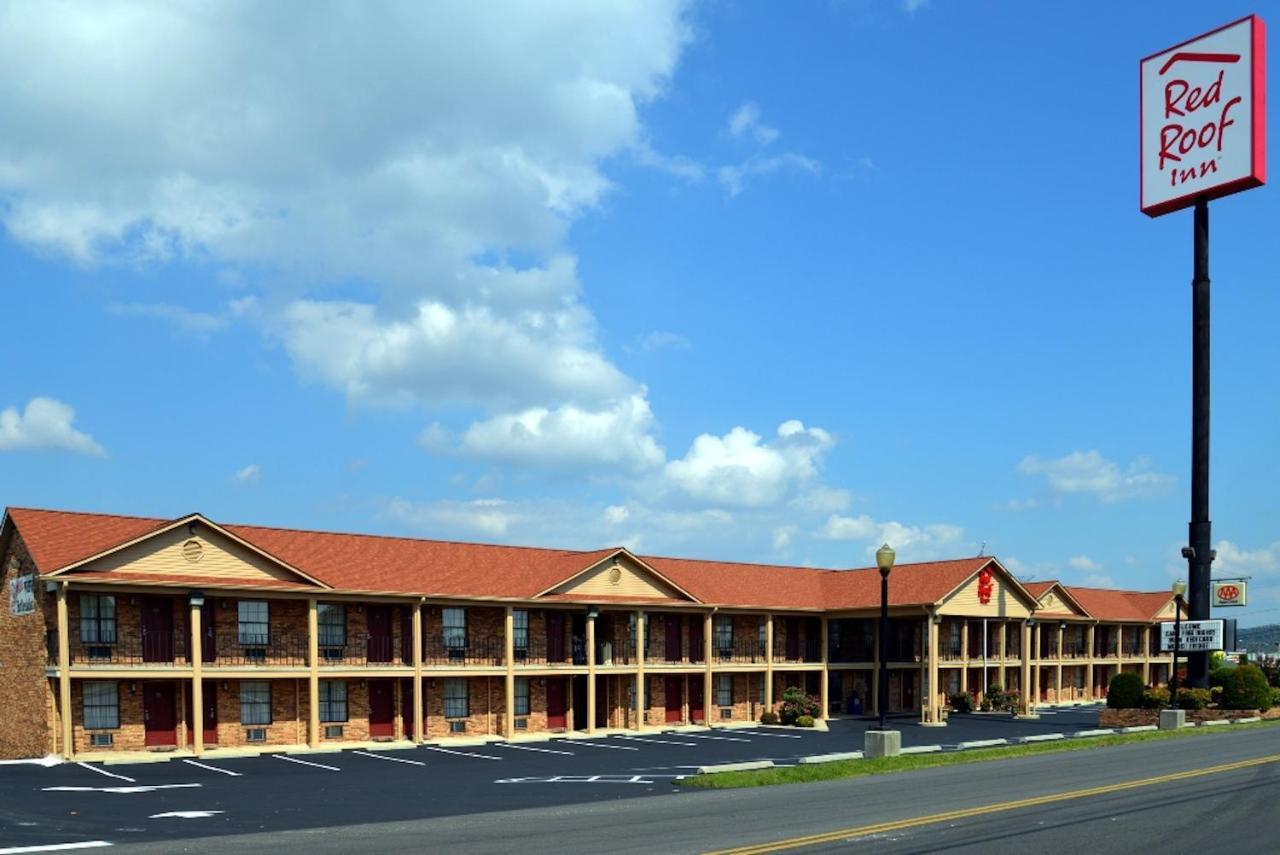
192, 551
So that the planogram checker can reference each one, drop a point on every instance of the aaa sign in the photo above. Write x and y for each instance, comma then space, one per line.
1202, 106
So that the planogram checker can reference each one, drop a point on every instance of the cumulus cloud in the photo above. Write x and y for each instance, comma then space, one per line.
1084, 563
745, 121
742, 469
250, 474
491, 518
178, 317
912, 543
1089, 473
1234, 560
45, 425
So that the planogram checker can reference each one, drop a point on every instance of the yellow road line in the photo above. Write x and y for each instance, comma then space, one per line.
898, 825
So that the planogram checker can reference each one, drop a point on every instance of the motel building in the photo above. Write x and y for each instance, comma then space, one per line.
124, 634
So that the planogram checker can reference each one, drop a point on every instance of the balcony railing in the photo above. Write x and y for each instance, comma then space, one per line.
476, 651
806, 650
618, 649
1105, 650
951, 652
851, 653
739, 651
151, 648
261, 651
1077, 649
362, 650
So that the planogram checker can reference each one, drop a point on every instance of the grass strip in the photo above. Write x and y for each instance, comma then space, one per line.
802, 774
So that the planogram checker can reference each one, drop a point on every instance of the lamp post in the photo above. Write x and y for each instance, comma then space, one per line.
1179, 589
884, 560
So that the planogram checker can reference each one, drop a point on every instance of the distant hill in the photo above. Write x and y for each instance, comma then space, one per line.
1259, 638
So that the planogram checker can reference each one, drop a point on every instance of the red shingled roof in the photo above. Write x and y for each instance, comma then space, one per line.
58, 538
909, 584
1113, 605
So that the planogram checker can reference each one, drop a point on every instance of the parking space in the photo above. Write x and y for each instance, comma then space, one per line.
88, 802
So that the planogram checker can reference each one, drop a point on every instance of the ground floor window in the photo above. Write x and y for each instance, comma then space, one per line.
522, 696
255, 703
724, 690
101, 706
456, 698
333, 700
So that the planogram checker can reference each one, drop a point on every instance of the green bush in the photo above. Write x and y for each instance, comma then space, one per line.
769, 718
1193, 699
1272, 669
1275, 696
796, 703
804, 721
1218, 676
1125, 691
961, 702
1246, 689
1156, 698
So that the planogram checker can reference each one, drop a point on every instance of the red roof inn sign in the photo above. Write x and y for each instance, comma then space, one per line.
1202, 106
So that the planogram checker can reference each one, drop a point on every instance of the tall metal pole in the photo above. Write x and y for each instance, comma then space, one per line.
1200, 554
1177, 637
882, 695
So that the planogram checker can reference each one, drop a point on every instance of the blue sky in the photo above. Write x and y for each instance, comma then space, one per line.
718, 280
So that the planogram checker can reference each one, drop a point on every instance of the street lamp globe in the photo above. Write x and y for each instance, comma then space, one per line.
1179, 588
884, 558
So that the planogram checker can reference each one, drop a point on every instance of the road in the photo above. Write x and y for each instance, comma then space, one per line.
1199, 814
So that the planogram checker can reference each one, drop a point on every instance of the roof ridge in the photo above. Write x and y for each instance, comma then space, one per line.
411, 539
9, 508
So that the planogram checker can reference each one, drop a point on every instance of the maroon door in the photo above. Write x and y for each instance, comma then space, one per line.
696, 710
159, 714
555, 636
674, 699
208, 632
379, 633
793, 639
210, 706
406, 634
556, 704
673, 637
909, 692
382, 709
157, 629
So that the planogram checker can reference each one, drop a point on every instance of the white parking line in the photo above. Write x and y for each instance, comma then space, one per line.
55, 847
602, 745
539, 750
213, 768
306, 762
720, 738
771, 735
460, 753
657, 741
392, 759
108, 774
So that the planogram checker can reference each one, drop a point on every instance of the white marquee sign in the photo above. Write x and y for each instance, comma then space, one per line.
1198, 636
1203, 118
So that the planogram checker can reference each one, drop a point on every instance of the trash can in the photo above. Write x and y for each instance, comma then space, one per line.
854, 705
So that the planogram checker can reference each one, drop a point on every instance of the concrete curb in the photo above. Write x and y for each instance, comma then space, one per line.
1250, 720
981, 743
830, 758
1039, 737
750, 766
1215, 723
1138, 728
921, 749
1086, 734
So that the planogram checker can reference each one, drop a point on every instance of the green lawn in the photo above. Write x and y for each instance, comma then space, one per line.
854, 768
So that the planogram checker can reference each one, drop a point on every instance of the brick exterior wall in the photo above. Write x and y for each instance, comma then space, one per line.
487, 707
28, 722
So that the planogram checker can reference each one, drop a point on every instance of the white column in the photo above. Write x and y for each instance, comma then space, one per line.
196, 654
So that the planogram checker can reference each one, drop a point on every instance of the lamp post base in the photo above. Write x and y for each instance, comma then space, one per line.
882, 743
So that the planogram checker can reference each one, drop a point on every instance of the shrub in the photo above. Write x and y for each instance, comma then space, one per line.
1193, 699
804, 721
1156, 698
961, 702
993, 698
796, 703
1246, 689
1218, 676
1272, 670
769, 718
1275, 697
1125, 691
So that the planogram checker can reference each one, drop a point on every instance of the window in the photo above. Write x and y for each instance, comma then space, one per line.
724, 690
522, 696
455, 628
724, 634
97, 619
255, 702
254, 623
520, 629
763, 633
331, 623
456, 700
333, 700
101, 705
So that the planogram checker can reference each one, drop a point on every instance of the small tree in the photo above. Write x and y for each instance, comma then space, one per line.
1246, 688
1125, 691
796, 703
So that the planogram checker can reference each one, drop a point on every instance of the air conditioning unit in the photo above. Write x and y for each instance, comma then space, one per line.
259, 734
457, 727
102, 740
333, 731
726, 713
522, 724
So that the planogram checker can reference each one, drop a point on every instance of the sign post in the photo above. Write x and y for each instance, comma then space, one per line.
1203, 136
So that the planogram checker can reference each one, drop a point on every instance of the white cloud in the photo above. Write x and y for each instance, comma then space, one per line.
616, 437
1089, 473
1018, 505
912, 543
485, 517
45, 425
659, 340
250, 474
1234, 560
1099, 580
179, 317
740, 469
782, 536
1084, 563
735, 178
616, 514
746, 121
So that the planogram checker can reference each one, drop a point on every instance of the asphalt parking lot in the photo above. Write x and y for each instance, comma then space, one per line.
84, 803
